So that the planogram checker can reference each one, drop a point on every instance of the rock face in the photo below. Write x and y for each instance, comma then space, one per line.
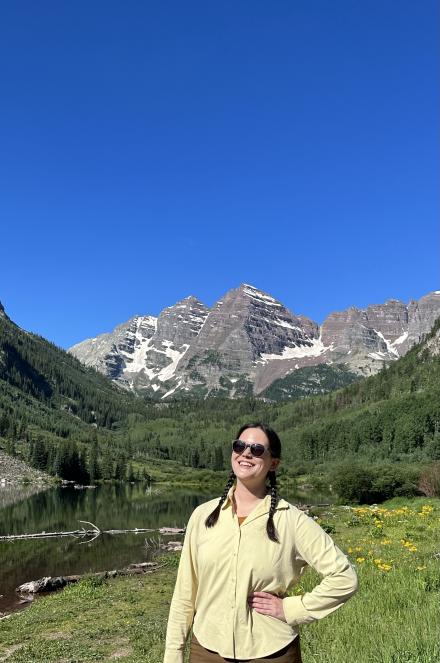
248, 340
144, 351
422, 315
241, 331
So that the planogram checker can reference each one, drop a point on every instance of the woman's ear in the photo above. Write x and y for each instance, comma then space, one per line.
274, 464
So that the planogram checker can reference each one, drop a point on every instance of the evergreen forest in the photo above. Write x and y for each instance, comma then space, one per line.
69, 421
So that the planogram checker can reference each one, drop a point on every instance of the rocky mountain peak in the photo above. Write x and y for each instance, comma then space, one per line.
249, 339
2, 311
181, 323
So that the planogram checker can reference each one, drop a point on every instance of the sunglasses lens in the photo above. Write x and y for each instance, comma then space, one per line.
257, 450
238, 446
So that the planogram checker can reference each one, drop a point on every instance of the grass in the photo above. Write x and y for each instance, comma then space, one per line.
394, 618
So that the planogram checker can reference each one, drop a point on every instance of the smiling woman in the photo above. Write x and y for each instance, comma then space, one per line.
241, 556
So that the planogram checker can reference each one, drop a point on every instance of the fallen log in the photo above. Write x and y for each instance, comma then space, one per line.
51, 584
172, 530
95, 532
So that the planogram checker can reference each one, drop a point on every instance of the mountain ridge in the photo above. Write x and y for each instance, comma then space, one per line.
247, 340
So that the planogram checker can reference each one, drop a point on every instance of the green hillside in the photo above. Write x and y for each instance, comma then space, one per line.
310, 381
52, 408
68, 419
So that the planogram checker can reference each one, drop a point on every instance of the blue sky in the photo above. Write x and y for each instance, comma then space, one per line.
154, 150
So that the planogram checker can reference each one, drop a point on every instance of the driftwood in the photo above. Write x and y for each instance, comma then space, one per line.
94, 533
172, 546
51, 584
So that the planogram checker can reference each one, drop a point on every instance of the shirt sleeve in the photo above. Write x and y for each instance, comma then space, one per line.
314, 547
182, 606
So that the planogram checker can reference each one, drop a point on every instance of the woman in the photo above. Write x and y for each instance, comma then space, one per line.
240, 556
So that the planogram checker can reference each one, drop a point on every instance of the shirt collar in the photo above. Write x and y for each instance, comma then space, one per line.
262, 508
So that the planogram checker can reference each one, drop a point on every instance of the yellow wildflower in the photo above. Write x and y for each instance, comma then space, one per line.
359, 560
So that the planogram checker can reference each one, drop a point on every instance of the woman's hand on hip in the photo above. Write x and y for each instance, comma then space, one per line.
267, 604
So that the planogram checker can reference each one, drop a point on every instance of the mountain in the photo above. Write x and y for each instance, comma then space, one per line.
249, 341
59, 415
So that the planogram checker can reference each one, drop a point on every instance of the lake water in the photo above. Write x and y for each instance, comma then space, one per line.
124, 506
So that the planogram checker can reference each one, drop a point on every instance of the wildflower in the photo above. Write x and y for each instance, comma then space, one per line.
384, 567
359, 560
420, 568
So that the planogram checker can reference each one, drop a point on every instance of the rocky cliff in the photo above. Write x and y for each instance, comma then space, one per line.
248, 340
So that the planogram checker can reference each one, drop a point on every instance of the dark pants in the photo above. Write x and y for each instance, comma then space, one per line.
289, 654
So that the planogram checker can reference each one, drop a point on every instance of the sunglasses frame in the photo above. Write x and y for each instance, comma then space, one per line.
252, 447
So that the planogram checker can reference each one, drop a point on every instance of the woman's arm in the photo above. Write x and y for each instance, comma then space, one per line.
183, 602
316, 548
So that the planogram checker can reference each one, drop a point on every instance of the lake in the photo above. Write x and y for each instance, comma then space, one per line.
124, 506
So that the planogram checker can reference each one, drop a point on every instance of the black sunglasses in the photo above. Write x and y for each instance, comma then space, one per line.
257, 450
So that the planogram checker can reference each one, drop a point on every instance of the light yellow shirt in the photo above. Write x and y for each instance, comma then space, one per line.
221, 566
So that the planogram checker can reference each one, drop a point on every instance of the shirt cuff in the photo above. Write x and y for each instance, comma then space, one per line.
173, 656
295, 612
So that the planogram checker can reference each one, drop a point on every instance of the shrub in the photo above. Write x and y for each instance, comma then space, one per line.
429, 482
352, 483
369, 485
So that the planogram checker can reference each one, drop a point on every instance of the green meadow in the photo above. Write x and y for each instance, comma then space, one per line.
394, 617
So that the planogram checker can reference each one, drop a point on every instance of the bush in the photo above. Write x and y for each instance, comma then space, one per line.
369, 485
429, 482
352, 483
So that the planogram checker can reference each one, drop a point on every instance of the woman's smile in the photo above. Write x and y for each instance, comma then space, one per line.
247, 466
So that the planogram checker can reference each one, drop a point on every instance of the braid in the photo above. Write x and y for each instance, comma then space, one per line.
270, 527
213, 517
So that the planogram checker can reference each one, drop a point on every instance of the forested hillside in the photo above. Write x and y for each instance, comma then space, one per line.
71, 421
52, 408
393, 416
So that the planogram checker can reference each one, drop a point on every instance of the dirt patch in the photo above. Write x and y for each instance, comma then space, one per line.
121, 653
9, 652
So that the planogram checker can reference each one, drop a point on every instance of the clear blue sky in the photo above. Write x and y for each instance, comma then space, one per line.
152, 150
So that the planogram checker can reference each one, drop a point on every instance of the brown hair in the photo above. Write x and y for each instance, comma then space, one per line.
275, 450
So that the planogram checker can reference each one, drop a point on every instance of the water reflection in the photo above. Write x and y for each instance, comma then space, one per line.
124, 506
60, 509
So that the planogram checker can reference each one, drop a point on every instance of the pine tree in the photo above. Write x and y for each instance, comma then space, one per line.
39, 454
120, 468
131, 476
107, 464
93, 464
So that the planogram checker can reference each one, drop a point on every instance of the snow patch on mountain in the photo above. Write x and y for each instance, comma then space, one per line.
171, 391
260, 296
314, 349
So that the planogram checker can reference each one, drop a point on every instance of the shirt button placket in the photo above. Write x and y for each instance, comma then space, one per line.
234, 584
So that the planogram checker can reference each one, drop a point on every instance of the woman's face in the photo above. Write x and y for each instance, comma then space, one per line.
248, 468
